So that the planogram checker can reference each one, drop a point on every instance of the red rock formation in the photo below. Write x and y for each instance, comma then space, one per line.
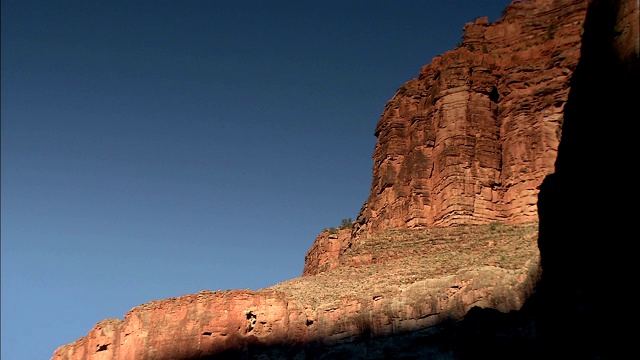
325, 251
193, 326
356, 306
472, 138
291, 319
468, 141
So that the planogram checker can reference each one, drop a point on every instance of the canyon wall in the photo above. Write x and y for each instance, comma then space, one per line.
470, 140
412, 306
472, 137
344, 315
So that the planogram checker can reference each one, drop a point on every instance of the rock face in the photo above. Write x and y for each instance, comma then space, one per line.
472, 137
369, 305
325, 251
404, 282
193, 326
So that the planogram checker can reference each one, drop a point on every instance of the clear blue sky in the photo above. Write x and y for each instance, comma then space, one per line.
152, 149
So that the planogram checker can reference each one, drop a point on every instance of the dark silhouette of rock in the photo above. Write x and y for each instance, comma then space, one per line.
584, 224
584, 239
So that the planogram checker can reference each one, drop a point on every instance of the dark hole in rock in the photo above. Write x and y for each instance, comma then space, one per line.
207, 333
251, 319
102, 347
493, 95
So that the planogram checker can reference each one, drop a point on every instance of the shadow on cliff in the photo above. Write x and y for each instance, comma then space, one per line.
585, 226
584, 236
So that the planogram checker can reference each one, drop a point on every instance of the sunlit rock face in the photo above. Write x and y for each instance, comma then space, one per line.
306, 317
472, 137
470, 140
192, 327
326, 249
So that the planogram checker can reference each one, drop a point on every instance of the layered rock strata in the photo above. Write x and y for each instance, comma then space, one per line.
470, 140
472, 137
325, 251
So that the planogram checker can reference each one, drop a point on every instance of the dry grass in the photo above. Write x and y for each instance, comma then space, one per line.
397, 258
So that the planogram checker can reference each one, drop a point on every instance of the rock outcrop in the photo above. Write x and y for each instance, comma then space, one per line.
326, 249
470, 140
472, 137
388, 295
404, 282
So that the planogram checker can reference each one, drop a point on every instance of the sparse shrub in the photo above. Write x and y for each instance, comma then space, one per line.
471, 48
346, 223
484, 49
494, 225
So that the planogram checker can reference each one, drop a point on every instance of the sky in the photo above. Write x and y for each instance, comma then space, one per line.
152, 149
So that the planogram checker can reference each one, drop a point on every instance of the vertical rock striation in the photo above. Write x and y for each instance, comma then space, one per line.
470, 140
472, 137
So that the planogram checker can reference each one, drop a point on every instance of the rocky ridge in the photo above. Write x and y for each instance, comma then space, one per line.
386, 289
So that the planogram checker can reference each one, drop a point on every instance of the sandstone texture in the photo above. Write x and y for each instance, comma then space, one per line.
472, 137
470, 140
325, 250
447, 259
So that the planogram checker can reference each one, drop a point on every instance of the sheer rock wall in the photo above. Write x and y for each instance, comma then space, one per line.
470, 140
472, 137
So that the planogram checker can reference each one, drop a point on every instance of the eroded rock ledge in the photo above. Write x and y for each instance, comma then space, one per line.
400, 284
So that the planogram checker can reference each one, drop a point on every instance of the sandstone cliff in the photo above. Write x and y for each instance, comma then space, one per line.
473, 136
470, 140
399, 282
